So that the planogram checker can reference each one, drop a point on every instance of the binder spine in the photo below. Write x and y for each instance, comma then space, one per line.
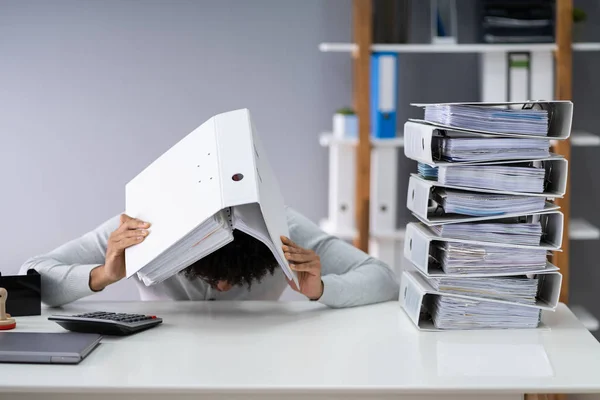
417, 248
384, 71
384, 163
341, 186
417, 141
411, 297
418, 195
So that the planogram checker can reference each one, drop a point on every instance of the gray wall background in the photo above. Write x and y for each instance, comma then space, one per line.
92, 91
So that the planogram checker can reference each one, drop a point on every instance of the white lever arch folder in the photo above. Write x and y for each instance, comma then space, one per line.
215, 179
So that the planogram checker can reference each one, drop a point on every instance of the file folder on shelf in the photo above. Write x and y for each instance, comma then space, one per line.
418, 299
384, 72
383, 204
420, 144
420, 244
559, 118
219, 166
555, 180
342, 166
419, 200
519, 76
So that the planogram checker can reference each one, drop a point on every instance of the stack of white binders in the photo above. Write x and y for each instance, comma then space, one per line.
483, 196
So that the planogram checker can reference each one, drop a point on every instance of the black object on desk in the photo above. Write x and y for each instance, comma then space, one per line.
106, 323
25, 293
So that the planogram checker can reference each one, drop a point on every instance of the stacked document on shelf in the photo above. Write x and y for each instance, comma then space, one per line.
471, 149
498, 119
508, 231
521, 177
462, 313
450, 201
518, 289
458, 258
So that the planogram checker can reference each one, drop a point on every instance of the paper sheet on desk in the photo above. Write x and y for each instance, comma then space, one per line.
492, 360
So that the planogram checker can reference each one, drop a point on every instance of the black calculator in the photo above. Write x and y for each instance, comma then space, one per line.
106, 323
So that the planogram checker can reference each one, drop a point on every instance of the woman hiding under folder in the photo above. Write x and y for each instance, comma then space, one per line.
330, 270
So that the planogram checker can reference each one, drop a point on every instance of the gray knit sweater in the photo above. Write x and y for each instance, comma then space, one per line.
350, 276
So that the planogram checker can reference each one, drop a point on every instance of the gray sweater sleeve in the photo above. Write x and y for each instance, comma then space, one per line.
65, 271
350, 276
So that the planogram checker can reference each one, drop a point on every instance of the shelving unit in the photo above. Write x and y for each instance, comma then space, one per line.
549, 56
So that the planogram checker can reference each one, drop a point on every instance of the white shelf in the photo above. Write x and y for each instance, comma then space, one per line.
584, 139
586, 318
578, 138
586, 46
327, 139
580, 229
455, 48
350, 234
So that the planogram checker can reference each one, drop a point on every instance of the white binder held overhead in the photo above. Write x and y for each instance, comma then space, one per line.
214, 180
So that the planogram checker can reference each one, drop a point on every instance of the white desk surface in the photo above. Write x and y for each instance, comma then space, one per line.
303, 347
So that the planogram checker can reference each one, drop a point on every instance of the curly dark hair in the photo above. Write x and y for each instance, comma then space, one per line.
240, 262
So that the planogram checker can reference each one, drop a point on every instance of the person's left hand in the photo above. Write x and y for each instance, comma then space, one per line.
308, 265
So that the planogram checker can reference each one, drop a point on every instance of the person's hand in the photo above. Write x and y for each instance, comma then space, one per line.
130, 232
308, 265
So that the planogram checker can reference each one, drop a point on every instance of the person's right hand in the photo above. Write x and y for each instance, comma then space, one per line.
130, 232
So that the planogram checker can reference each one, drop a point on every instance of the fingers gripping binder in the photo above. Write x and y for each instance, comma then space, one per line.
221, 165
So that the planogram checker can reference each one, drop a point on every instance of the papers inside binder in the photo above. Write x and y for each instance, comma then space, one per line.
210, 236
480, 118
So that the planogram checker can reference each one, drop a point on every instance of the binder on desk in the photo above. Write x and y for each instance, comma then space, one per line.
421, 249
421, 302
214, 180
424, 143
552, 182
426, 201
560, 114
540, 290
384, 72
